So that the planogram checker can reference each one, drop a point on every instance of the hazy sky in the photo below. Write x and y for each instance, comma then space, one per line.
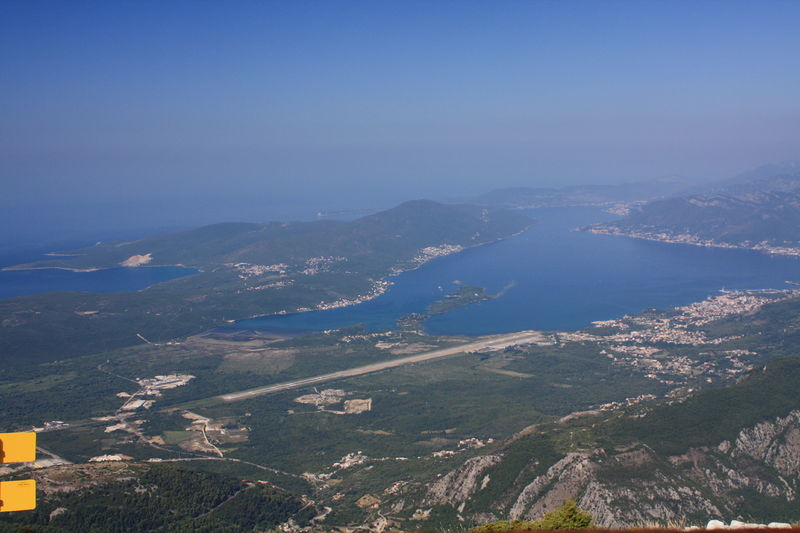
124, 113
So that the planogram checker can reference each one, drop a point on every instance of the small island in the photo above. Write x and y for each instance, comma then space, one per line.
464, 296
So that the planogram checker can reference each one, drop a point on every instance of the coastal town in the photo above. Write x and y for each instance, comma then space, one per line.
673, 348
694, 240
281, 276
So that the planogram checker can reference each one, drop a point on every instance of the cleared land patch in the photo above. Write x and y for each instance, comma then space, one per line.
265, 361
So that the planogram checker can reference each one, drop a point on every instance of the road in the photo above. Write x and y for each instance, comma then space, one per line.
495, 343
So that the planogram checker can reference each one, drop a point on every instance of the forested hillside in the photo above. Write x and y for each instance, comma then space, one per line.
106, 497
245, 270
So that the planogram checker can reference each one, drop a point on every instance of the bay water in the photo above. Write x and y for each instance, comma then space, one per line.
554, 278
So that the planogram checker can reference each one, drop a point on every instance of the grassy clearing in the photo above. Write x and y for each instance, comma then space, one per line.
176, 437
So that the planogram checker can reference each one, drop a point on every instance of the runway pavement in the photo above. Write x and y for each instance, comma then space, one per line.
497, 342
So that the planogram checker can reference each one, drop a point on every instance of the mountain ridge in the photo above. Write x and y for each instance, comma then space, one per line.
758, 210
584, 195
414, 224
244, 271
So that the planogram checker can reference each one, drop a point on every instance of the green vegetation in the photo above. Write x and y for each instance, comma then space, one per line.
84, 387
376, 242
423, 420
415, 408
63, 390
710, 417
295, 266
641, 450
145, 498
568, 516
464, 296
515, 471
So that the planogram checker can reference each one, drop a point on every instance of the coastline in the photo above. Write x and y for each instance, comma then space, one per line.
380, 286
377, 287
17, 268
22, 267
693, 240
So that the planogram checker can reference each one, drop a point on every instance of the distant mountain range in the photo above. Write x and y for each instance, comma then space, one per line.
579, 195
375, 241
759, 209
778, 177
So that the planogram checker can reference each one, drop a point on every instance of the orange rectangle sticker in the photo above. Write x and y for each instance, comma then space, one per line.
17, 495
17, 447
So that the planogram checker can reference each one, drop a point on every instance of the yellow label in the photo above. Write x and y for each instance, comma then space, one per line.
17, 447
17, 495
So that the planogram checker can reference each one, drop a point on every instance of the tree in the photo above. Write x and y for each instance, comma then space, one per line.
568, 516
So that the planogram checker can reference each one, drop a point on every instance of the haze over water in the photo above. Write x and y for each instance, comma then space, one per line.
170, 114
557, 279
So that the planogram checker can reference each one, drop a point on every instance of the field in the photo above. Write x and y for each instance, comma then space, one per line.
351, 439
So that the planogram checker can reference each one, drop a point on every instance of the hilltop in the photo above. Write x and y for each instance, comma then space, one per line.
372, 242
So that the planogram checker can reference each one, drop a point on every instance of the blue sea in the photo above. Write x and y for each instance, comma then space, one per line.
548, 277
24, 282
552, 277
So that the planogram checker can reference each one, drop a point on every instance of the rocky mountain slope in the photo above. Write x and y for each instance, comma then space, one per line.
729, 453
632, 485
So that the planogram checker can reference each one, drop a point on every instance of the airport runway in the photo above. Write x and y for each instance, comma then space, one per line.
497, 342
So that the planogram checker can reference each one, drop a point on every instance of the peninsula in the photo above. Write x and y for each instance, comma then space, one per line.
244, 270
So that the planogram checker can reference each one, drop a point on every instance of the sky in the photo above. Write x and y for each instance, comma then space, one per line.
143, 114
